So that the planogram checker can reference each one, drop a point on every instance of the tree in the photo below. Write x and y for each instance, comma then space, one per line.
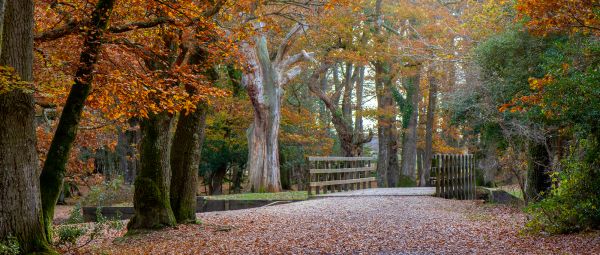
186, 151
21, 215
429, 129
553, 16
409, 124
54, 168
387, 160
264, 83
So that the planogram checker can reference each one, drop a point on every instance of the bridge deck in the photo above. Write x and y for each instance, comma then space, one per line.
420, 191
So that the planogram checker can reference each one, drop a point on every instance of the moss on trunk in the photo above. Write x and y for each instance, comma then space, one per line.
53, 172
185, 159
152, 185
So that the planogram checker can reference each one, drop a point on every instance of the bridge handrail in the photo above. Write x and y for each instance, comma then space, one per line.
334, 174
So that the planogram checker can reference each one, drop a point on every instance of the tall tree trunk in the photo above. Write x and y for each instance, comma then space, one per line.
409, 141
429, 127
358, 117
185, 159
263, 142
21, 213
387, 161
53, 171
349, 78
152, 185
187, 149
538, 179
265, 87
324, 117
388, 168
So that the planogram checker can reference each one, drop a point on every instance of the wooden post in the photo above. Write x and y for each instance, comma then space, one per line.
473, 180
309, 188
463, 166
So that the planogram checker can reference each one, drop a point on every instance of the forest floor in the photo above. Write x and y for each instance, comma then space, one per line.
354, 225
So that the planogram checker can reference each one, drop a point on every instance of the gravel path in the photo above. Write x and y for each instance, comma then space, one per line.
356, 225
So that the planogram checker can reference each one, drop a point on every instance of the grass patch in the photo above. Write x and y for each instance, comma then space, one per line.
406, 181
289, 195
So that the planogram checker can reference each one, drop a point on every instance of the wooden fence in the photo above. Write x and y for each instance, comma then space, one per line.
335, 174
454, 176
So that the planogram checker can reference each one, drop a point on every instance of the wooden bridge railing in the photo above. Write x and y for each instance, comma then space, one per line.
335, 174
454, 176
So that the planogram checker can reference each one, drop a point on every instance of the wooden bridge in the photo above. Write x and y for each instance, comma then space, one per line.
453, 176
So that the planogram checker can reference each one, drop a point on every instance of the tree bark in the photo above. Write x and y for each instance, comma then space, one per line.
185, 159
350, 142
358, 117
152, 185
538, 180
409, 141
54, 168
324, 117
186, 150
429, 127
264, 84
263, 142
216, 180
388, 169
20, 202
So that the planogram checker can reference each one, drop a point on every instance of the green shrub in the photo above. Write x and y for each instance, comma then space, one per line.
109, 193
10, 246
69, 234
75, 215
573, 204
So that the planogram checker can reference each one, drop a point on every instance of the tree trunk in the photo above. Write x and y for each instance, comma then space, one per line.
127, 151
388, 169
236, 180
429, 127
538, 180
263, 143
349, 79
350, 142
409, 141
20, 203
358, 120
264, 84
152, 185
324, 117
216, 181
53, 171
185, 159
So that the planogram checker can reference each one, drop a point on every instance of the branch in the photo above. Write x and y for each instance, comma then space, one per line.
74, 27
291, 74
292, 60
284, 47
79, 27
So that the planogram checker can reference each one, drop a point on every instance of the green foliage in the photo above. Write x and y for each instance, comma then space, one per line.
406, 181
10, 246
574, 202
75, 215
109, 193
69, 234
